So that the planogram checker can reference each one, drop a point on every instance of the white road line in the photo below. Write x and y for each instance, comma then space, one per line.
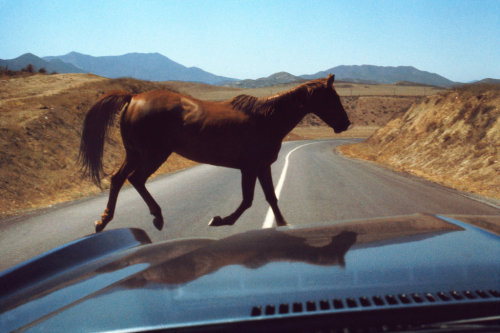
269, 220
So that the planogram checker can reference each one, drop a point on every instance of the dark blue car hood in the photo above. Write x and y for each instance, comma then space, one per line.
129, 284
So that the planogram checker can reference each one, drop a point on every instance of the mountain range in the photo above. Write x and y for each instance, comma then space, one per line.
157, 67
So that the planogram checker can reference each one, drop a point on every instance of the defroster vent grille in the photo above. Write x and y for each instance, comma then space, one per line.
341, 304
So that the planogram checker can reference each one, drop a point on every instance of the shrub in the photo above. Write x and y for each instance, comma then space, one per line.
29, 68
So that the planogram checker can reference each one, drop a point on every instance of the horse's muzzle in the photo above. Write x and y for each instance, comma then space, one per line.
343, 128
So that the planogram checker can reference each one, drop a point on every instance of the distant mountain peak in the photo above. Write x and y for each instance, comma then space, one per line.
27, 55
271, 80
29, 58
283, 75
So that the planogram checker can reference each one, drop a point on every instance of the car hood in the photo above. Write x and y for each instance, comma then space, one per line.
118, 280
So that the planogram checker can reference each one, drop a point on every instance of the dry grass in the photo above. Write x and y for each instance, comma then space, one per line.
451, 138
41, 118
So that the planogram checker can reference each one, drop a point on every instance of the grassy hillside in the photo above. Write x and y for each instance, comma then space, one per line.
452, 138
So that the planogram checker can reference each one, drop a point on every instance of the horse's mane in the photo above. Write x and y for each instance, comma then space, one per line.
266, 106
246, 103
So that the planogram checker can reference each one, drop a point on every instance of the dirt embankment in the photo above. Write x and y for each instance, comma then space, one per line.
451, 138
376, 110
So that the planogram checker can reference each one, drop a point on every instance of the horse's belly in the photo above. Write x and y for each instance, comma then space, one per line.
231, 153
207, 152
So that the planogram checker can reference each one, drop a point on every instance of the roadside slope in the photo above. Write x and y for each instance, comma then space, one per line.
451, 138
41, 118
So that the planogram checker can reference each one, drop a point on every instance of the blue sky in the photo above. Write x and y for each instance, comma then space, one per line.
249, 39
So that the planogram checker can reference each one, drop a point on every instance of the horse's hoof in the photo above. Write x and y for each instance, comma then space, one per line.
282, 223
158, 222
99, 226
216, 221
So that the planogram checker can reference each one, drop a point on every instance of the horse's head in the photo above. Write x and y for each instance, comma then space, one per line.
327, 106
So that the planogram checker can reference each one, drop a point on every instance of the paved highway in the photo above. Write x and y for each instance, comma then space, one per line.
314, 185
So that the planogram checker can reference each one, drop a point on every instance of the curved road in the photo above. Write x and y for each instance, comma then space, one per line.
315, 185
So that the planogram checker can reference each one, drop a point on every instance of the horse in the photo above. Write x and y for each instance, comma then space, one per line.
244, 132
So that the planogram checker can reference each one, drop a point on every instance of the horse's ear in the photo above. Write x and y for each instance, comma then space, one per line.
329, 81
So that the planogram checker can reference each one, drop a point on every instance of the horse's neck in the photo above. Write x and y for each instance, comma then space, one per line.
286, 116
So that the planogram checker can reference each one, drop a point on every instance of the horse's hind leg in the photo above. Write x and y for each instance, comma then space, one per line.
138, 180
248, 179
266, 181
117, 181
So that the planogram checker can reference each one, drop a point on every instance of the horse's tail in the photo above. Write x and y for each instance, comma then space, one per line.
97, 121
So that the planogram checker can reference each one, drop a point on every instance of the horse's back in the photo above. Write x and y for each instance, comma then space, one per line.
204, 131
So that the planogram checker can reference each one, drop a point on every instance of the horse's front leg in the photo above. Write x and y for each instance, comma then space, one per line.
266, 181
248, 179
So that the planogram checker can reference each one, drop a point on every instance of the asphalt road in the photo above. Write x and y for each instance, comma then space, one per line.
315, 185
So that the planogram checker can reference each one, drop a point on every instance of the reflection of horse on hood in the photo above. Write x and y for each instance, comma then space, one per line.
243, 133
252, 249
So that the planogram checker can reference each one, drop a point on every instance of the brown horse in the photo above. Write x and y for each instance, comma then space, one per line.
243, 133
